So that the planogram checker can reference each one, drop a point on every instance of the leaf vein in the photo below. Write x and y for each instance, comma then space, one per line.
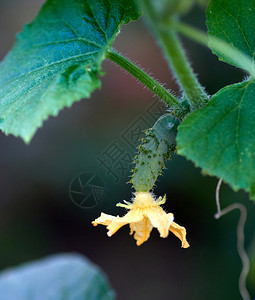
49, 65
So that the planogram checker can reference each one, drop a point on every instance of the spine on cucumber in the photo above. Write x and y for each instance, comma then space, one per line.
155, 150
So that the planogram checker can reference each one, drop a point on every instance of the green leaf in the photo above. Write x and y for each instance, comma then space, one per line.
233, 22
220, 138
58, 277
57, 60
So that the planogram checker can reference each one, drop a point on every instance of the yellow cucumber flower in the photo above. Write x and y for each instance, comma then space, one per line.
144, 214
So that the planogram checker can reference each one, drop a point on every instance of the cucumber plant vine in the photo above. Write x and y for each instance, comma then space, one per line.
57, 60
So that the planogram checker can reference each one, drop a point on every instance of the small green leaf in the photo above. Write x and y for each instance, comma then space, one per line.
220, 138
233, 22
58, 277
57, 60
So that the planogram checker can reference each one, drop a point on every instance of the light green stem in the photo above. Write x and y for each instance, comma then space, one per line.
239, 58
148, 81
177, 59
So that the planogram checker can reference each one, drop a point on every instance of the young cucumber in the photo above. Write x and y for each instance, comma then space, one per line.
155, 150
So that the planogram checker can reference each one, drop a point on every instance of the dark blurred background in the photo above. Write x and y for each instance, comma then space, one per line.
38, 217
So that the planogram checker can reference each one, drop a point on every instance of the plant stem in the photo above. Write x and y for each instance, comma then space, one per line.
147, 80
177, 59
191, 32
239, 58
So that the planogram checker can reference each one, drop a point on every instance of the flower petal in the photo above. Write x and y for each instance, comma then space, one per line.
104, 219
132, 216
160, 220
180, 232
142, 230
113, 223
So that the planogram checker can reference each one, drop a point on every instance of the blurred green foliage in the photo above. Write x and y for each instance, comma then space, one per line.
58, 277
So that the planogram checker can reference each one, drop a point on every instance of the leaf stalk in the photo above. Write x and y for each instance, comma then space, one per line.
173, 102
176, 58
